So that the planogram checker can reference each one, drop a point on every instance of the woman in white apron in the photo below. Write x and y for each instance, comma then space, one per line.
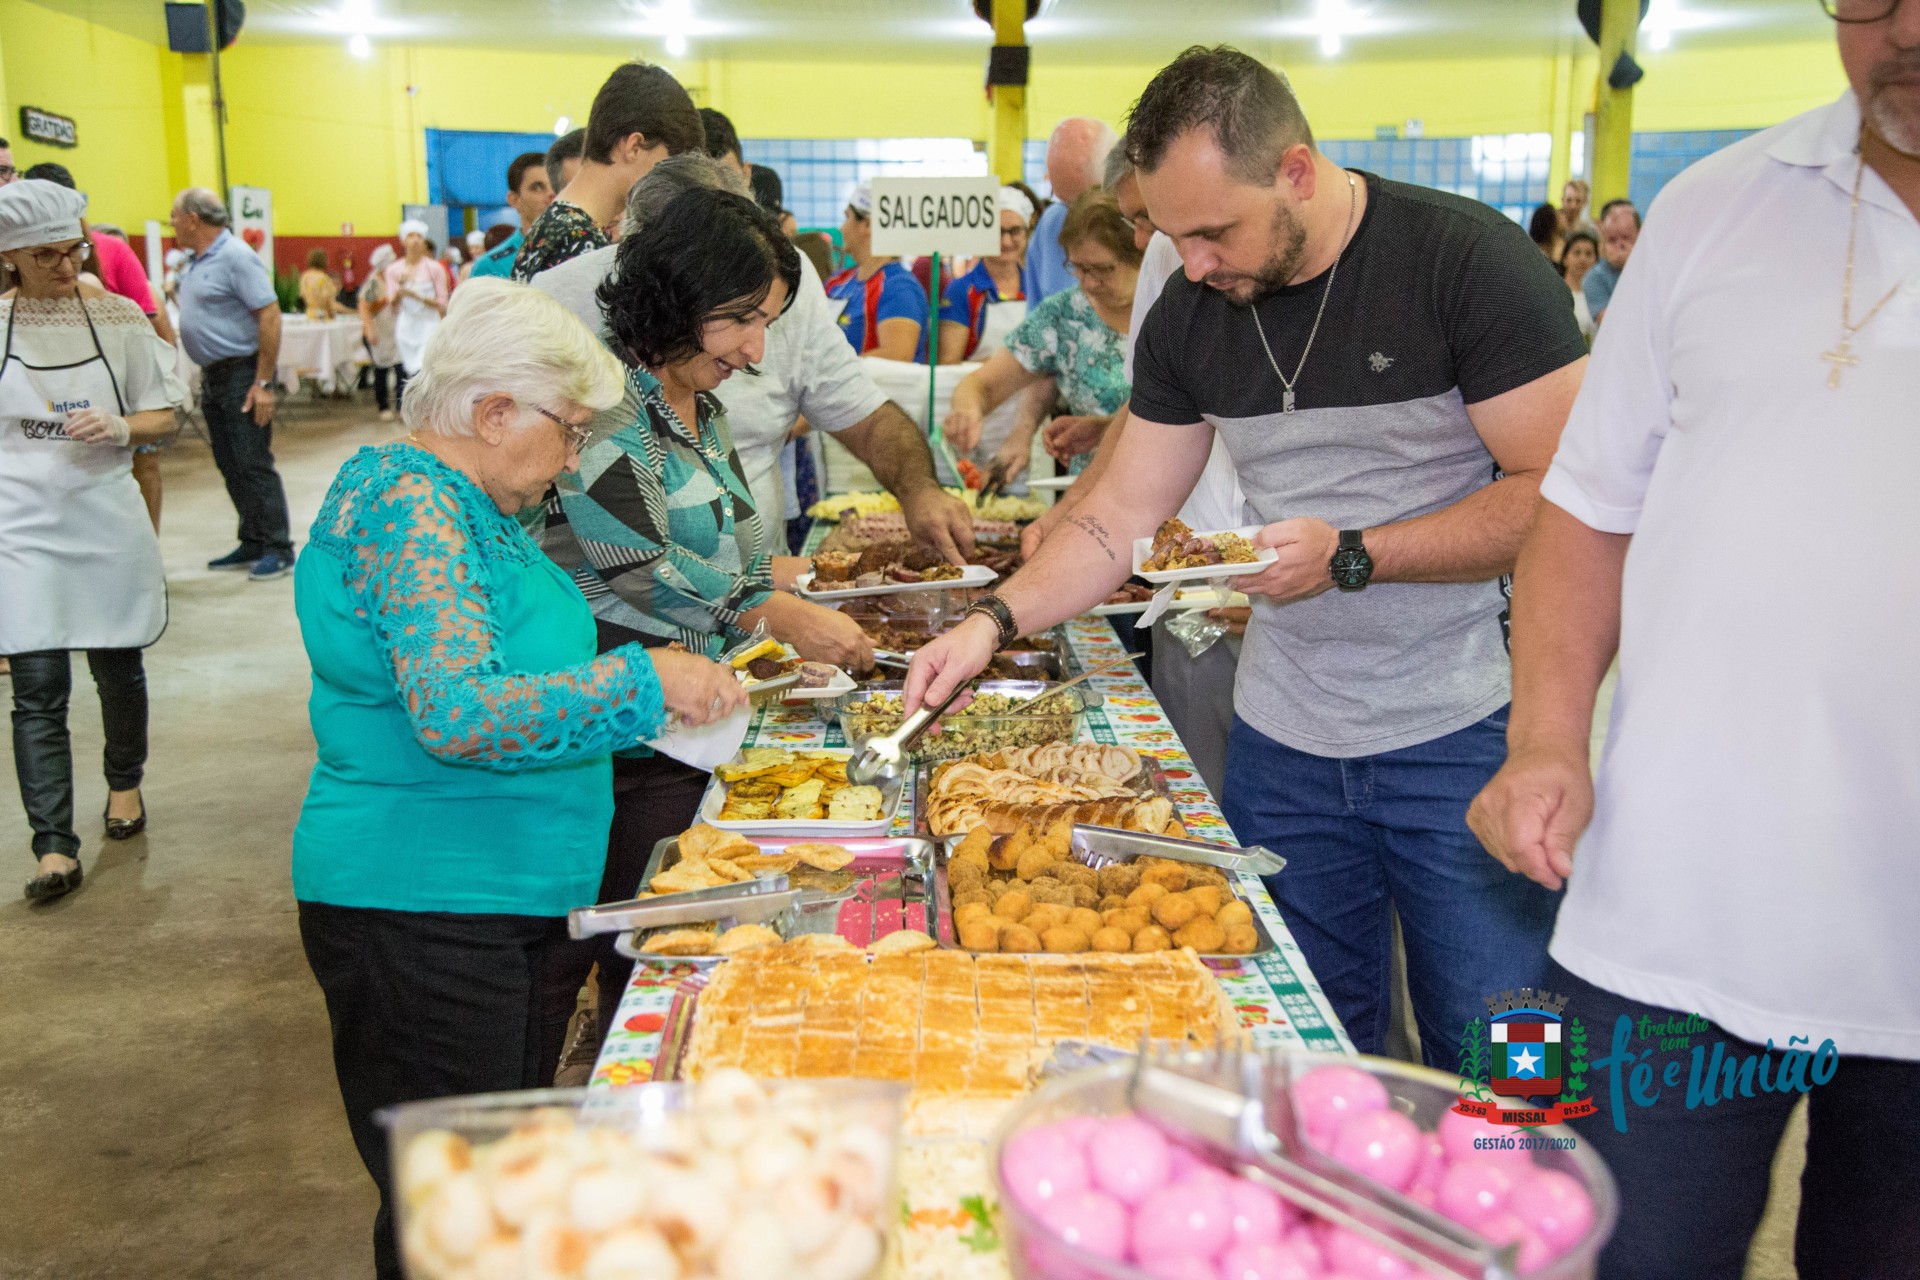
979, 310
377, 319
419, 288
82, 380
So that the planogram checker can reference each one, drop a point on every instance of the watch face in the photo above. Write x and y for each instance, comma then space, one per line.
1351, 567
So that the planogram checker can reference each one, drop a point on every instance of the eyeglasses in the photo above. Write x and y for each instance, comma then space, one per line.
48, 259
577, 436
8, 173
1859, 10
1100, 273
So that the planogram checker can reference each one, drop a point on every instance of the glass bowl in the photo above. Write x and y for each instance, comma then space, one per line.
774, 1177
964, 733
1034, 1252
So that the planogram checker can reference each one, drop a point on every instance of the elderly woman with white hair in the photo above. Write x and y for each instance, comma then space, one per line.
82, 380
460, 804
419, 287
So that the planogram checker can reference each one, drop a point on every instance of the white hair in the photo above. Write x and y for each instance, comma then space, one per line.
204, 205
502, 337
673, 178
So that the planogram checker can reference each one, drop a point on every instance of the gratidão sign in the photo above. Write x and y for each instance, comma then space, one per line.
912, 216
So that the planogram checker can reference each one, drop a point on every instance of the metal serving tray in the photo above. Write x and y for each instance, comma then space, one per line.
886, 888
1097, 847
1152, 781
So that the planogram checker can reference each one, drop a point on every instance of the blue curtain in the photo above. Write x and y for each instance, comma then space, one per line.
469, 167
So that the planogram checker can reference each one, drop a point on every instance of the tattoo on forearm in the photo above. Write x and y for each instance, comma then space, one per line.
1095, 530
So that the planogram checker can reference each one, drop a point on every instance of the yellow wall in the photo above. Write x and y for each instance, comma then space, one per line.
111, 85
339, 139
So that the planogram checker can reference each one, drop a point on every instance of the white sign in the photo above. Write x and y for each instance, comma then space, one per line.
251, 209
936, 215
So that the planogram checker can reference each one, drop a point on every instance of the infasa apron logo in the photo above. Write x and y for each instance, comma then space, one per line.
52, 428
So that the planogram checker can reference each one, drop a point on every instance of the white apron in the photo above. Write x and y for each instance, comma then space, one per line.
1002, 319
79, 563
418, 318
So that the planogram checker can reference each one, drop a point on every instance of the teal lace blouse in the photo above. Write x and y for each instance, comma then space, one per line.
464, 724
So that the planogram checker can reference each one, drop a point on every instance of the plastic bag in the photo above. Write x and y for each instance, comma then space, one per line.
1197, 632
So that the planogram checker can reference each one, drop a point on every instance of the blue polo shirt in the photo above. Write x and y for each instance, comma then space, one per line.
966, 303
498, 261
221, 288
891, 293
1602, 276
1046, 272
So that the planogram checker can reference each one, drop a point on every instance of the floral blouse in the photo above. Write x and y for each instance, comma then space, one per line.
1065, 338
563, 232
658, 527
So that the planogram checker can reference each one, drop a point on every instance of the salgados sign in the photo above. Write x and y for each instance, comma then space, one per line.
957, 216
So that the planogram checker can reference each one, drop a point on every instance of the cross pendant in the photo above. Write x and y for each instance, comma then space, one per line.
1286, 400
1840, 358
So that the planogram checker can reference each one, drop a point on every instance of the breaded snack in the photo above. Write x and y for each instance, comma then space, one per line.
744, 937
1045, 916
1083, 895
1146, 895
1036, 859
1111, 939
824, 857
1052, 891
1202, 934
972, 911
1153, 938
1171, 874
1121, 878
981, 934
1064, 940
1085, 920
1076, 873
1013, 905
1207, 897
681, 942
1132, 919
1233, 913
902, 940
970, 896
1017, 937
1174, 911
1112, 902
1241, 940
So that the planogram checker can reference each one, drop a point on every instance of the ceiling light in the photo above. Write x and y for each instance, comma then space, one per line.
676, 45
1330, 44
359, 46
561, 125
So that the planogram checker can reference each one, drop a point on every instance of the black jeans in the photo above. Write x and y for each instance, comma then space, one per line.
243, 450
653, 798
43, 750
380, 396
1694, 1181
427, 1004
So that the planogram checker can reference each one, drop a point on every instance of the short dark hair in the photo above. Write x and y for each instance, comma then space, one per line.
52, 171
705, 256
768, 191
1544, 226
1581, 236
722, 141
567, 146
1611, 205
1249, 108
517, 171
496, 234
644, 99
317, 259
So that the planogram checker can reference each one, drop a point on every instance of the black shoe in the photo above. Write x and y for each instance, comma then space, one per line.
55, 884
238, 558
125, 828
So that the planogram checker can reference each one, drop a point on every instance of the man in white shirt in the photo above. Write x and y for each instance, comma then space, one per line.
1732, 508
802, 374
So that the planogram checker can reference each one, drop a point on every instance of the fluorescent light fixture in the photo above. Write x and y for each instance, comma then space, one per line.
1333, 21
1330, 44
1666, 18
359, 46
561, 126
676, 45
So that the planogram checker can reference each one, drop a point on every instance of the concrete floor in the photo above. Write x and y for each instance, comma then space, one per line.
167, 1101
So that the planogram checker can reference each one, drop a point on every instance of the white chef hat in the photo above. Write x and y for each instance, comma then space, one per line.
414, 227
476, 237
1014, 200
34, 212
860, 199
381, 256
176, 258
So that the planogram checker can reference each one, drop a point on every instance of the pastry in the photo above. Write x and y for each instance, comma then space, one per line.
825, 857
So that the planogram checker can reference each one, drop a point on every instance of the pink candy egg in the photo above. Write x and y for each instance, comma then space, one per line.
1179, 1267
1042, 1165
1089, 1220
1080, 1129
1326, 1096
1474, 1191
1554, 1206
1128, 1159
1304, 1239
1186, 1218
1384, 1145
1183, 1164
1506, 1228
1267, 1262
1351, 1253
1458, 1133
1257, 1215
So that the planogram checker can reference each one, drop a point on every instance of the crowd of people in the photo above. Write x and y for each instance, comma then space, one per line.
508, 607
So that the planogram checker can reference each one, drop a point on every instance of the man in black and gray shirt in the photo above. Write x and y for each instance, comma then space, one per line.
1390, 368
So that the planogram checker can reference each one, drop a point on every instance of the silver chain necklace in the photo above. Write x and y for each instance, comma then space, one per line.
1286, 397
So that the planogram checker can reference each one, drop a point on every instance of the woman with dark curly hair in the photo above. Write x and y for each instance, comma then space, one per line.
678, 553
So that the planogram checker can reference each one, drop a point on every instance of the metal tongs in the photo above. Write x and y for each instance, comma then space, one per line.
996, 482
884, 759
750, 902
1236, 1104
1117, 841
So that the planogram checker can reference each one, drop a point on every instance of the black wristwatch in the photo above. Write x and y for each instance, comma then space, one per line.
1352, 567
993, 607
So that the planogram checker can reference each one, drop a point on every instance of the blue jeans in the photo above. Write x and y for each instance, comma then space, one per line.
1694, 1182
1368, 835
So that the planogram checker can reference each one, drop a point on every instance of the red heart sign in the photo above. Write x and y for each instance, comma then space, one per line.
254, 237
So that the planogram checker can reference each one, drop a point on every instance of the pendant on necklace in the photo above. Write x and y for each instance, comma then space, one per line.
1286, 400
1840, 357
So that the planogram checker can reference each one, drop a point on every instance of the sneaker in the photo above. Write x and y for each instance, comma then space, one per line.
271, 565
238, 558
386, 415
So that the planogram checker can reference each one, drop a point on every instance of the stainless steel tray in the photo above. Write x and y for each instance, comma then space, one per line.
1090, 848
887, 888
1151, 782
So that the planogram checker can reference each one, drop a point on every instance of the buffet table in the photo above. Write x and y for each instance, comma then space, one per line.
325, 350
1275, 996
